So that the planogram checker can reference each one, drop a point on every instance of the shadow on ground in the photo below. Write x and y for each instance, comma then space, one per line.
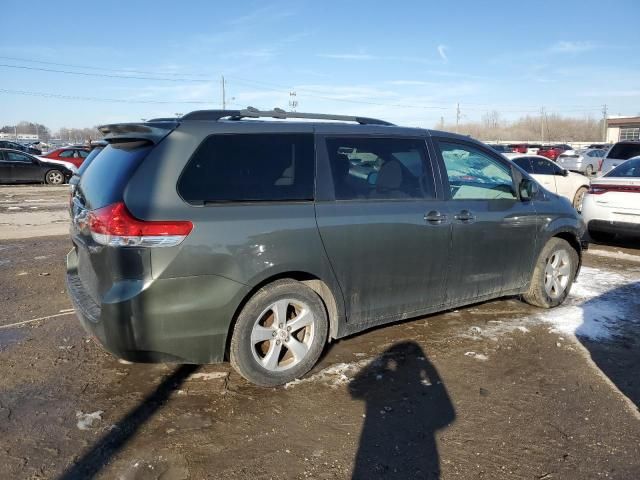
90, 464
617, 354
406, 404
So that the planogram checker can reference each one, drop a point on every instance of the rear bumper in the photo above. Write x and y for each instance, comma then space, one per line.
183, 320
614, 227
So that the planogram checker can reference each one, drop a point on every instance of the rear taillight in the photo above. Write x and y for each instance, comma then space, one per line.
596, 190
600, 189
113, 225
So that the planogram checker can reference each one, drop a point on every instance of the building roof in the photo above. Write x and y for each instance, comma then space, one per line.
622, 121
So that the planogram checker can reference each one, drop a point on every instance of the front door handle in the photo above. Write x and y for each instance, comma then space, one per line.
435, 217
465, 216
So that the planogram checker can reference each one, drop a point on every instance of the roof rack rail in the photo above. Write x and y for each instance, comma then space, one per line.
251, 112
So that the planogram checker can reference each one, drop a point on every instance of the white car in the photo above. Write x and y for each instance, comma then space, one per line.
68, 165
612, 205
552, 177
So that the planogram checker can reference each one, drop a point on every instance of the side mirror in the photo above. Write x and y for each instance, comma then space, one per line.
564, 172
528, 189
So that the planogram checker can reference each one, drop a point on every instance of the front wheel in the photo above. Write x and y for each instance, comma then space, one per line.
54, 177
279, 334
553, 274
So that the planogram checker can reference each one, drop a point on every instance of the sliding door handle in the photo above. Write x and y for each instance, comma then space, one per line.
435, 217
465, 216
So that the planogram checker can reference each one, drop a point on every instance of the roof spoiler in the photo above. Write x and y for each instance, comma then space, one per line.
152, 131
251, 112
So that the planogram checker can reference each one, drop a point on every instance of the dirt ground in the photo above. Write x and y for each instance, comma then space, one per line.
498, 390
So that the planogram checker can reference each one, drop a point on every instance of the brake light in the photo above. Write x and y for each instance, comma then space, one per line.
596, 190
600, 189
113, 225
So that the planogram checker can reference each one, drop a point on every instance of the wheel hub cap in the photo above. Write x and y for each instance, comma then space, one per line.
557, 274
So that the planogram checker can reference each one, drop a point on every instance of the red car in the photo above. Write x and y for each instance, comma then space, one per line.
553, 151
75, 155
519, 147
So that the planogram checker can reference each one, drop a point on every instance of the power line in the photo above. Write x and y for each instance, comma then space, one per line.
104, 75
98, 99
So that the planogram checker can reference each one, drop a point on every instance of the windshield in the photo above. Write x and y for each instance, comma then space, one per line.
630, 168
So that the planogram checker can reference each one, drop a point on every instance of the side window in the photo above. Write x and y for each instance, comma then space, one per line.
67, 154
379, 168
474, 174
17, 157
542, 166
83, 153
250, 167
524, 163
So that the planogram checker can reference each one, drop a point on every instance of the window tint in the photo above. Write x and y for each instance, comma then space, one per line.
17, 157
630, 168
250, 167
474, 174
624, 151
379, 168
524, 163
67, 154
541, 166
83, 153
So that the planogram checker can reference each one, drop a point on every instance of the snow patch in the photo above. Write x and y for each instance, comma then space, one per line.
334, 375
85, 420
209, 376
478, 356
618, 255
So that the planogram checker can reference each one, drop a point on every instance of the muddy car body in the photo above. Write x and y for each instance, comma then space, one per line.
217, 236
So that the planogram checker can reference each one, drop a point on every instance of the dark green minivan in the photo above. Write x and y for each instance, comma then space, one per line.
249, 236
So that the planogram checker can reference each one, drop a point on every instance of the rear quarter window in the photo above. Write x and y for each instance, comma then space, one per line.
250, 168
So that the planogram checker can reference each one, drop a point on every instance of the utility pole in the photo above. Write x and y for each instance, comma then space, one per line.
441, 123
224, 95
604, 122
457, 116
541, 124
293, 100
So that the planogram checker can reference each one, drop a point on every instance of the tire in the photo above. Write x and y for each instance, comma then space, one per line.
579, 198
261, 332
54, 177
540, 294
589, 171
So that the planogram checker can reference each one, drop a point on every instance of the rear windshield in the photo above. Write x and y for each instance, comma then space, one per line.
250, 168
624, 151
105, 178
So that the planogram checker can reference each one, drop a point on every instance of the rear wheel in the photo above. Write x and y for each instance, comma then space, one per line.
279, 334
54, 177
553, 275
579, 198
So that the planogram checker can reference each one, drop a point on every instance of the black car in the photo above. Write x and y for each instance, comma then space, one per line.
19, 146
20, 167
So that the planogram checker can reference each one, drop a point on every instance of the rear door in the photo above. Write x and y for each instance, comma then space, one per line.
494, 233
384, 224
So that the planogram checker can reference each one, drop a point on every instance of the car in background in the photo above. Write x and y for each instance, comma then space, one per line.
554, 178
20, 147
533, 148
618, 154
553, 151
612, 205
500, 148
519, 147
98, 146
585, 161
20, 167
75, 155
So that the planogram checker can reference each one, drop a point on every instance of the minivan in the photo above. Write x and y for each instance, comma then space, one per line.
259, 236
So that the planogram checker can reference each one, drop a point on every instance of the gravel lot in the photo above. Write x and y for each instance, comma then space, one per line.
496, 390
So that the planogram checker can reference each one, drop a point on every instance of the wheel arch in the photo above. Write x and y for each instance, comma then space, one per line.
329, 298
572, 239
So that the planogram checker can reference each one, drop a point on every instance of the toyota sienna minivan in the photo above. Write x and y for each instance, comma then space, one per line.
249, 236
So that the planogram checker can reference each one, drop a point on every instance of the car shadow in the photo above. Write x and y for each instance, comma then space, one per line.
610, 331
90, 464
406, 404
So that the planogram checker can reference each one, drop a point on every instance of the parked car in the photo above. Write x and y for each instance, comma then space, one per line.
75, 155
619, 153
554, 178
501, 148
519, 147
97, 147
20, 147
612, 205
20, 167
552, 151
211, 236
533, 148
585, 161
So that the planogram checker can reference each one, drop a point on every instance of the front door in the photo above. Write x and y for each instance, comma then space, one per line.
494, 232
25, 168
384, 226
6, 169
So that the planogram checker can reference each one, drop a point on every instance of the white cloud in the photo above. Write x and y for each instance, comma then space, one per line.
442, 51
572, 47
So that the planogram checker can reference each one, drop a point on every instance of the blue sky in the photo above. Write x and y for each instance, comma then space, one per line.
408, 62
